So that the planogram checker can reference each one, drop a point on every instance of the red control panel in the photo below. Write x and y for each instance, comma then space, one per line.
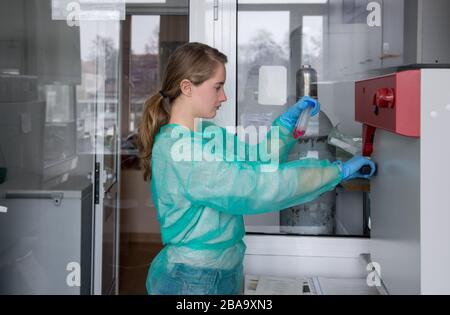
390, 102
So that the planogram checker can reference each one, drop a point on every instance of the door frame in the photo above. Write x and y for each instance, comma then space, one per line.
103, 183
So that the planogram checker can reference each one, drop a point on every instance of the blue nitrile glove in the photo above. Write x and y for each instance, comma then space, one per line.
290, 117
351, 168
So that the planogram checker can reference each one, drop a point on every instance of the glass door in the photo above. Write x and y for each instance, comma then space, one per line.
151, 31
59, 79
104, 36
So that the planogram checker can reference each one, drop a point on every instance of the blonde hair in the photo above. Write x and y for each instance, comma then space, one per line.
195, 62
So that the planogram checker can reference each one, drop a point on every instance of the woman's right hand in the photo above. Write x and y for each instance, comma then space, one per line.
290, 117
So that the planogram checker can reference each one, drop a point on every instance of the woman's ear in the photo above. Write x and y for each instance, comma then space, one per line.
186, 87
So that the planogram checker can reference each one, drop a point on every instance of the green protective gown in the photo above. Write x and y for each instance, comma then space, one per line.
200, 202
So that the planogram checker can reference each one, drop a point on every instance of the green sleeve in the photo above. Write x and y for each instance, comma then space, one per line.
275, 147
238, 187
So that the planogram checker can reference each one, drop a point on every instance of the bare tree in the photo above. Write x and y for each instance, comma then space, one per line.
263, 49
152, 46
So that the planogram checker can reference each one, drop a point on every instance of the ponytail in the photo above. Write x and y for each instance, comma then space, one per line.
156, 114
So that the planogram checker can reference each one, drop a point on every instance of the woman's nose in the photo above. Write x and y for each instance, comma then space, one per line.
223, 97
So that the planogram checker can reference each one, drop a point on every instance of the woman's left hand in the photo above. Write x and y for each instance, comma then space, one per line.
352, 168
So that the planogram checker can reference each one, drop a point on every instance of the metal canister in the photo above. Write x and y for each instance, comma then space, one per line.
306, 82
316, 217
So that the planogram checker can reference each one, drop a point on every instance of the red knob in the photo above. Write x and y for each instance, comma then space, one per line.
385, 97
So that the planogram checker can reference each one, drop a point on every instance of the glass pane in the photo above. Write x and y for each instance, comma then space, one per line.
144, 63
102, 41
55, 77
149, 39
152, 40
334, 39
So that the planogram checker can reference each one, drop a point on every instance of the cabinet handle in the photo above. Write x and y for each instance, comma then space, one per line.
56, 197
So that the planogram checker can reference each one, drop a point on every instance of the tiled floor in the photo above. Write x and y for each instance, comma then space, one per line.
134, 263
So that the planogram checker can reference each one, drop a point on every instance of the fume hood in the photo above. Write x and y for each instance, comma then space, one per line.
348, 43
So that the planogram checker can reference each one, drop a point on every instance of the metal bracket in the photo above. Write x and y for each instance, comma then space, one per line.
57, 198
216, 10
97, 184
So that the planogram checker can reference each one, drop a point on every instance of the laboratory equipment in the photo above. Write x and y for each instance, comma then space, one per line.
349, 145
412, 32
403, 115
46, 238
316, 217
306, 82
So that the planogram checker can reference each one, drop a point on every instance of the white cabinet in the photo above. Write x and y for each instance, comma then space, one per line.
352, 47
410, 202
415, 32
46, 237
393, 26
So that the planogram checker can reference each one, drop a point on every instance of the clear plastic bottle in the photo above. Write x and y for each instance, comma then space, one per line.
306, 86
302, 123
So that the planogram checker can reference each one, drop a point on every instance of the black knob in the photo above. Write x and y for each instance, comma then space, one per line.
366, 170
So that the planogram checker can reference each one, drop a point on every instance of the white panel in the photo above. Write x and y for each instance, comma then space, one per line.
296, 266
225, 41
38, 245
201, 22
435, 184
395, 211
306, 246
272, 85
308, 256
221, 34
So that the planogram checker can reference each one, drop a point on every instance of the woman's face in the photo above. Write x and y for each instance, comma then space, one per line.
208, 96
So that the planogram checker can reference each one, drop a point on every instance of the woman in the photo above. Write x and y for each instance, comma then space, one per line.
200, 202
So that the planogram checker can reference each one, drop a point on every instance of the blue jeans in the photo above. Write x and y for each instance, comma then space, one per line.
184, 279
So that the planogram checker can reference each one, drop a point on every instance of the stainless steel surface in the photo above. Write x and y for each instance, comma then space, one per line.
306, 82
